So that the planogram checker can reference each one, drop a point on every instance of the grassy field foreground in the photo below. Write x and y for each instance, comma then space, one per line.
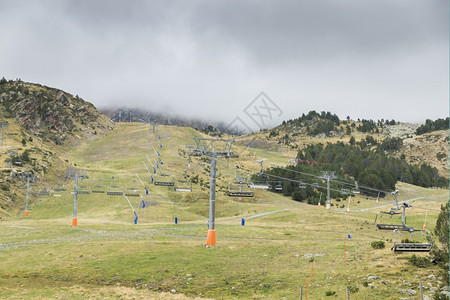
271, 257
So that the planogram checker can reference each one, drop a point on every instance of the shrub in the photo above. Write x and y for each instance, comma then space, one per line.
353, 289
439, 296
4, 187
421, 262
330, 293
377, 245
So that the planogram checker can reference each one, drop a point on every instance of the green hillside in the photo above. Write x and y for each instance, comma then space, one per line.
283, 245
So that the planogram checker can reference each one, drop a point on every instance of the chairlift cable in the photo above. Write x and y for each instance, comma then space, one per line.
332, 180
141, 180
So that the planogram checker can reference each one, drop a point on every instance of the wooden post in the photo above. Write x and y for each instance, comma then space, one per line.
348, 293
312, 267
421, 290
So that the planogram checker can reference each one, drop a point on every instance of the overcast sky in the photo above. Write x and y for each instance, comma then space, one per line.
364, 59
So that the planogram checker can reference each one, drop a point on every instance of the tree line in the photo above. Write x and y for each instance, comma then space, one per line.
371, 168
430, 125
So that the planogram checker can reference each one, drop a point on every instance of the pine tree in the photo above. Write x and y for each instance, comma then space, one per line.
441, 231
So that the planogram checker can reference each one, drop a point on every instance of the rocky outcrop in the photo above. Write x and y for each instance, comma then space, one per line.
49, 113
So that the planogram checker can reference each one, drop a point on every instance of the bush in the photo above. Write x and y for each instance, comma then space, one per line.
4, 187
377, 245
353, 289
439, 296
25, 157
421, 262
273, 133
330, 293
391, 144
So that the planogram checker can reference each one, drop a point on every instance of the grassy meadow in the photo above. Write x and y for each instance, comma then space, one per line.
283, 246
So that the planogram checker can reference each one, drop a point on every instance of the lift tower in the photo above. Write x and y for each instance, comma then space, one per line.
4, 125
75, 173
327, 175
27, 176
208, 147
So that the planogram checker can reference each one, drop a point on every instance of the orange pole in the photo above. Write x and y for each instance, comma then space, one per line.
425, 222
26, 213
306, 291
312, 267
345, 257
74, 222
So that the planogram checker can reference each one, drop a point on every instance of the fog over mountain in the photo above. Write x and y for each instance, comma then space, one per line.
210, 60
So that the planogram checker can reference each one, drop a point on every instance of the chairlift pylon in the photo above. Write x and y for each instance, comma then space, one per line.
390, 226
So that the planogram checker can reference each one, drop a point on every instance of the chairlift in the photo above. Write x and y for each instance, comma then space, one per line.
44, 192
390, 226
355, 191
278, 187
98, 189
114, 190
164, 183
302, 185
132, 194
132, 191
404, 244
239, 192
18, 161
82, 189
258, 186
315, 185
344, 191
160, 182
59, 188
263, 184
183, 186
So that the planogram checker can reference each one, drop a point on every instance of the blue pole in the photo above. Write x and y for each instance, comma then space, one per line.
176, 220
243, 222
